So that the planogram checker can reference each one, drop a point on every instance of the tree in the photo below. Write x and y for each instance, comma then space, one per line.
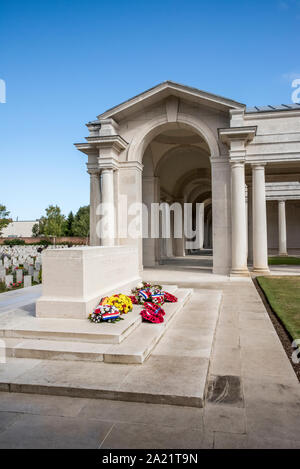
53, 224
81, 224
69, 225
35, 230
4, 220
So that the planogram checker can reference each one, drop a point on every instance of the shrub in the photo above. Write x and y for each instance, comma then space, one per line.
44, 242
14, 242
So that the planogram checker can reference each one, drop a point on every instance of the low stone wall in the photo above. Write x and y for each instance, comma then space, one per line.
61, 239
75, 279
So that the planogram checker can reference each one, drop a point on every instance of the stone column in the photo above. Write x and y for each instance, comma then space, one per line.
169, 224
282, 228
150, 195
250, 228
200, 227
108, 227
246, 216
259, 211
210, 236
206, 227
238, 213
95, 199
179, 243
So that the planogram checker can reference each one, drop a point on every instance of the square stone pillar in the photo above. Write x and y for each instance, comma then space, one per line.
130, 206
221, 216
150, 191
95, 199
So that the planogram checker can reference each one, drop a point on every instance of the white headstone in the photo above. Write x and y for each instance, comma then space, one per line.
2, 273
36, 276
19, 275
27, 281
8, 280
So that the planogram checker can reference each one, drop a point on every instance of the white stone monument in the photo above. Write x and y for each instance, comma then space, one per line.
75, 279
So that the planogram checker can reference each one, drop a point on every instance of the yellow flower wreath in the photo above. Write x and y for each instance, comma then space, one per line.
122, 302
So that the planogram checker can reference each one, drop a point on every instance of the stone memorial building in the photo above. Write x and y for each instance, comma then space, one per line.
177, 144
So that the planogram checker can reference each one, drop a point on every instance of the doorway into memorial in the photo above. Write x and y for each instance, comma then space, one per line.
176, 189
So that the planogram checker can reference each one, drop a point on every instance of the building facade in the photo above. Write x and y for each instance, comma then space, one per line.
19, 229
179, 145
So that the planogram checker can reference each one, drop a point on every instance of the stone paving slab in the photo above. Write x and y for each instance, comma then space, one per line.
140, 436
41, 405
265, 415
17, 298
49, 432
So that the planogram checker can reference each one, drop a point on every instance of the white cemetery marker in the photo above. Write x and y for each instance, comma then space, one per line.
27, 281
2, 273
2, 351
8, 280
36, 276
30, 270
19, 275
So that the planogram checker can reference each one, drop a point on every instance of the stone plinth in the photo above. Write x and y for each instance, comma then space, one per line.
75, 279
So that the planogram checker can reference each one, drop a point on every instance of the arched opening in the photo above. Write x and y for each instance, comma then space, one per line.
177, 178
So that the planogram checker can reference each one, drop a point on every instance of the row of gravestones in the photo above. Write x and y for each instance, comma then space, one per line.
12, 257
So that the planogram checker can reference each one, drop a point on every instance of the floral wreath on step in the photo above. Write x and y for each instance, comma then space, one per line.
111, 308
152, 297
122, 302
146, 292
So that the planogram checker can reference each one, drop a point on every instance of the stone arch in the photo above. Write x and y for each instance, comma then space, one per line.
171, 151
185, 185
155, 126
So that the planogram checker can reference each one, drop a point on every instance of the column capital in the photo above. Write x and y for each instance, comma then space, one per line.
237, 134
107, 164
237, 163
236, 139
131, 165
92, 170
258, 165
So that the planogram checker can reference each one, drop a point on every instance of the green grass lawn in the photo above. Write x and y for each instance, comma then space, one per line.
283, 294
284, 260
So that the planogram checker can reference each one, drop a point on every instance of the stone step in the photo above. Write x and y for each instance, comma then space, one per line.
81, 330
135, 349
72, 329
175, 373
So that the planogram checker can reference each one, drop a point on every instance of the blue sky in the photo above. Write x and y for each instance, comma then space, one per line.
64, 62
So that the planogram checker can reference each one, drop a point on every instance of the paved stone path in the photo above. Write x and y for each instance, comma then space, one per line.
253, 397
17, 298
